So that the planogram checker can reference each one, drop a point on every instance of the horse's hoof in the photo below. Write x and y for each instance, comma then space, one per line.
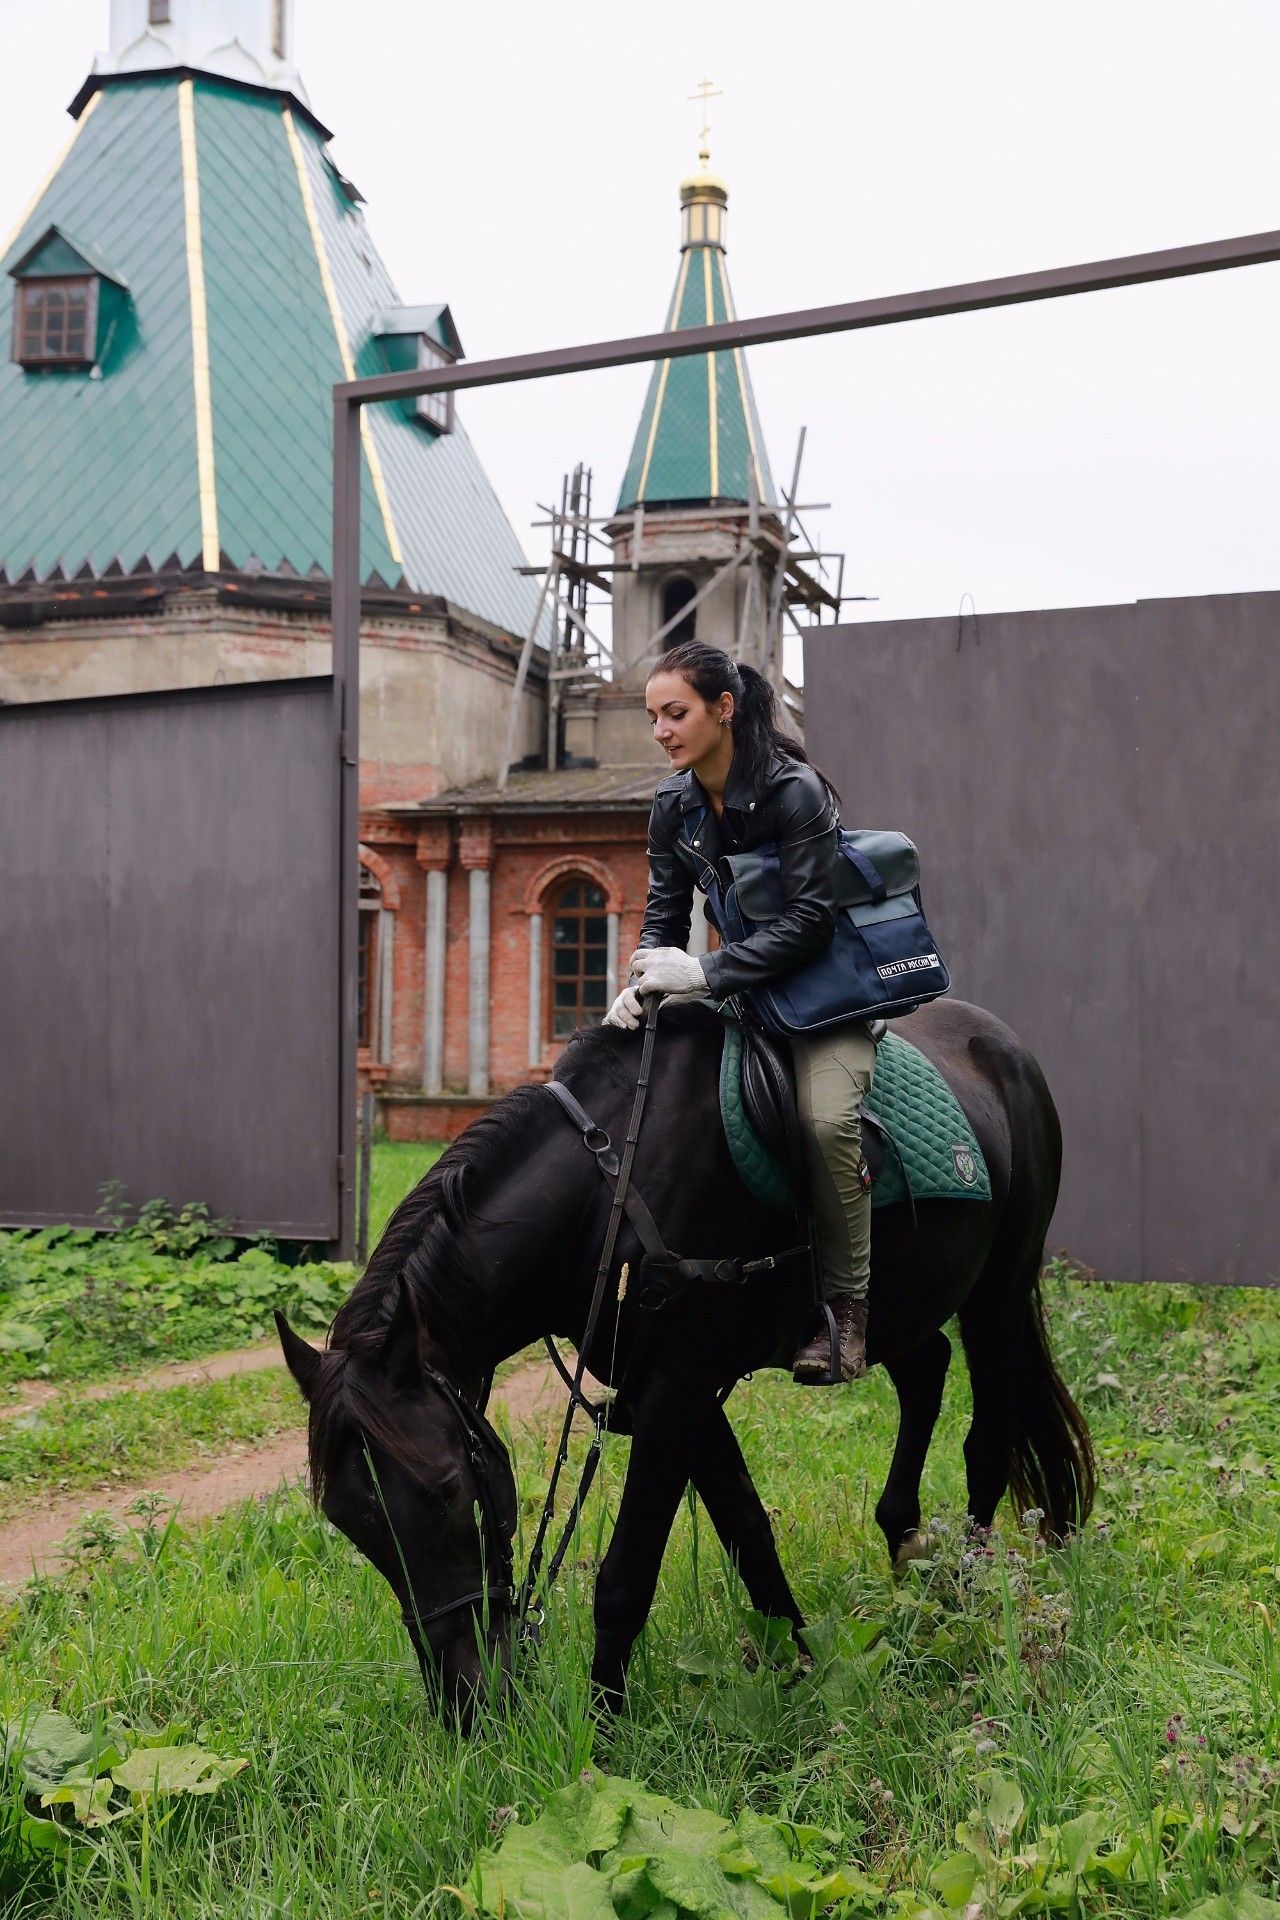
607, 1699
918, 1545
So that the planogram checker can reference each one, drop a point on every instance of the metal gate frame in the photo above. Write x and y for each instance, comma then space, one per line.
350, 397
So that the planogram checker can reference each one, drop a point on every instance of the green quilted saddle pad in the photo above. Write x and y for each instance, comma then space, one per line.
940, 1155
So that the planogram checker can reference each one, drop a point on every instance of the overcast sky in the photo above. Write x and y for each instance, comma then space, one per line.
522, 162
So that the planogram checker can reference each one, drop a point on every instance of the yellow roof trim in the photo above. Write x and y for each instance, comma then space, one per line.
48, 180
210, 545
676, 300
340, 331
740, 367
713, 415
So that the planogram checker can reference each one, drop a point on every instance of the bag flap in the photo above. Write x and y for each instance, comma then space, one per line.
893, 856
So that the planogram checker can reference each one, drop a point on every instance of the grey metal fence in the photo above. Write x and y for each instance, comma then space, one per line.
1096, 795
169, 972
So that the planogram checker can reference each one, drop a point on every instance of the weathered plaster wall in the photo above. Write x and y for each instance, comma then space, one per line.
435, 691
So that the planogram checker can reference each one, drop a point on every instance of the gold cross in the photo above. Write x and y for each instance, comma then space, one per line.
707, 90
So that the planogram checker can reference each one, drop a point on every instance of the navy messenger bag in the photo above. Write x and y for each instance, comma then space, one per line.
882, 961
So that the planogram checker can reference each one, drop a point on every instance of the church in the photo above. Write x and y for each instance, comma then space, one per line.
179, 298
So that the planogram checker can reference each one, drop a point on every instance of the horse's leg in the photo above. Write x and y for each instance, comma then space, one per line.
670, 1422
988, 1445
918, 1375
724, 1485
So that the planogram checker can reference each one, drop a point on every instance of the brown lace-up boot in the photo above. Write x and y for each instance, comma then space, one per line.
811, 1365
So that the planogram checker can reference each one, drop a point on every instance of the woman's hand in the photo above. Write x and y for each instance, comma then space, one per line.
667, 970
625, 1011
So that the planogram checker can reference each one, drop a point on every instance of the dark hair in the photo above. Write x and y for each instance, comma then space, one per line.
757, 737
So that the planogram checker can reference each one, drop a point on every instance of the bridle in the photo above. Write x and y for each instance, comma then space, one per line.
484, 1448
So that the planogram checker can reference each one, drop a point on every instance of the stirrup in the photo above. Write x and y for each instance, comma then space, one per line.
835, 1372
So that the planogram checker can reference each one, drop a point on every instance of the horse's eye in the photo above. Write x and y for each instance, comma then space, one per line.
447, 1488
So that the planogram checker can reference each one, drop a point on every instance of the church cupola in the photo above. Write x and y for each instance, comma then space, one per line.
246, 40
704, 201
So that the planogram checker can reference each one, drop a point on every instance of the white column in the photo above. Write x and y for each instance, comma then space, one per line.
478, 983
611, 960
433, 985
386, 938
535, 989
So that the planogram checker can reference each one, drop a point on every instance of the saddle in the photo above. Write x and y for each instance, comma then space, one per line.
916, 1138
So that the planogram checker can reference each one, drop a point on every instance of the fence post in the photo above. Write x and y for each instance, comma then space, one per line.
366, 1172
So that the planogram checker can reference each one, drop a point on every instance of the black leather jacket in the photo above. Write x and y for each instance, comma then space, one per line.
792, 808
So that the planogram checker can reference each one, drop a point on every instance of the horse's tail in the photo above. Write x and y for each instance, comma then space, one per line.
1052, 1467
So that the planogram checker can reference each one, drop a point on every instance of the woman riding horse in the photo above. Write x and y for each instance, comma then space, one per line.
750, 784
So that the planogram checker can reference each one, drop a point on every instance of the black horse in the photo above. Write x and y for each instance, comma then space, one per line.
498, 1246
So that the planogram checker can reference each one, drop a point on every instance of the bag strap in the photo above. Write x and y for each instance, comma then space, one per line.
867, 868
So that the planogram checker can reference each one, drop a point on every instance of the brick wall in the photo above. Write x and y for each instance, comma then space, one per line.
527, 857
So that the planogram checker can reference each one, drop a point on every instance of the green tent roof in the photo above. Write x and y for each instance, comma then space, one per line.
699, 433
188, 185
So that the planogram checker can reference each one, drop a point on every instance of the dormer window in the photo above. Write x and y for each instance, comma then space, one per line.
425, 338
435, 408
278, 28
57, 323
65, 304
158, 13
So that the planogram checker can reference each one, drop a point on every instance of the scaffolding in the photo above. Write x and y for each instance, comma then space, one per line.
786, 575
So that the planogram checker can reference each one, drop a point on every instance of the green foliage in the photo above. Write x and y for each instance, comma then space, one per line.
165, 1283
609, 1849
1010, 1728
65, 1777
78, 1305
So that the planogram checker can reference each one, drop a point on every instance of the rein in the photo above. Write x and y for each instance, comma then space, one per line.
663, 1277
597, 1141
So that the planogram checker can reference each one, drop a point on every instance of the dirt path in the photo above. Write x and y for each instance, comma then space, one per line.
178, 1373
33, 1542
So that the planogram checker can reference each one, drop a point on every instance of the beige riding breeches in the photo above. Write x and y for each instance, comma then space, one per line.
833, 1075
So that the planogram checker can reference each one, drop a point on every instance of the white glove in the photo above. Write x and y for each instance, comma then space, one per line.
667, 970
625, 1011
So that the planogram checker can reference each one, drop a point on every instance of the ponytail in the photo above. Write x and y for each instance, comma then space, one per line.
757, 737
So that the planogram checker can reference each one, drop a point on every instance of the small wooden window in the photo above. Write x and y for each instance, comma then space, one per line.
579, 958
158, 13
278, 26
56, 323
435, 408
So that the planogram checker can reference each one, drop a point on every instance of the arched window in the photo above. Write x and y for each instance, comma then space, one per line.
677, 593
579, 956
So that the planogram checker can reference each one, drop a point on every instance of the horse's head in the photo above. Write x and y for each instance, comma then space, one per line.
419, 1481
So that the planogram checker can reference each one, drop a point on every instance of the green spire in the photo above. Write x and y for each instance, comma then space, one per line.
699, 435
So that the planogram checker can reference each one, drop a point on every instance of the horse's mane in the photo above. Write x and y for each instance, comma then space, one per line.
428, 1243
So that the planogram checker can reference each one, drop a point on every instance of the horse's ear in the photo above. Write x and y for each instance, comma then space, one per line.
303, 1360
406, 1347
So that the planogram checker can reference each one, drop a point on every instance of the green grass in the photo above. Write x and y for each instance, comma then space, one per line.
63, 1446
397, 1166
1133, 1674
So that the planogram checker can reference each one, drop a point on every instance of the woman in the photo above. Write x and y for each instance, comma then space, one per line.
745, 782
